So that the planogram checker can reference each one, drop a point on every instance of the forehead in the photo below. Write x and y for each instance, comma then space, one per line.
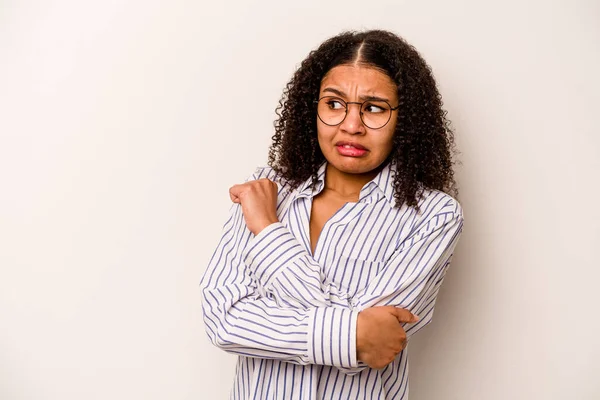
362, 79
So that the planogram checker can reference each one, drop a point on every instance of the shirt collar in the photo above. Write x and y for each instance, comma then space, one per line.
305, 189
383, 183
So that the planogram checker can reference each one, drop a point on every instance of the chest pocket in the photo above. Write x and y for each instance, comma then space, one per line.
353, 275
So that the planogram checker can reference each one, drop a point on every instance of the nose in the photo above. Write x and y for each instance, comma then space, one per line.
353, 124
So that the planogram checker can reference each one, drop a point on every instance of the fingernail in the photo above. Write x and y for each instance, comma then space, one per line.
416, 317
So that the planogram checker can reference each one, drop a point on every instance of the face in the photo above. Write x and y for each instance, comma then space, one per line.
352, 147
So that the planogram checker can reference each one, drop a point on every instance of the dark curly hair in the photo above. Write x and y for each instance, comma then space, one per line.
423, 140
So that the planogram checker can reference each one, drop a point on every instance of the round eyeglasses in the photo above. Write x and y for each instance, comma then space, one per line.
374, 114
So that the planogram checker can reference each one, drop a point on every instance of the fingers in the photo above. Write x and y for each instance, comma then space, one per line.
233, 197
234, 193
403, 315
260, 185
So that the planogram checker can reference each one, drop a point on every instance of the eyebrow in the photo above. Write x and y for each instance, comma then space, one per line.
363, 98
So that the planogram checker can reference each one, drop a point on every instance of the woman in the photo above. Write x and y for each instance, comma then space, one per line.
332, 256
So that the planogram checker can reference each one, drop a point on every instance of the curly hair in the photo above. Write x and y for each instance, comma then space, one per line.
423, 142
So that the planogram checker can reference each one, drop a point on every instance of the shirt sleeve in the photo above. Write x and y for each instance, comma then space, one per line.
242, 318
410, 279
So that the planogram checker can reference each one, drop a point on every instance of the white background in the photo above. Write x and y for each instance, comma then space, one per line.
123, 124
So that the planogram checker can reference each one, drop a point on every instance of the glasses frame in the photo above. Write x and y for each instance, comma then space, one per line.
360, 112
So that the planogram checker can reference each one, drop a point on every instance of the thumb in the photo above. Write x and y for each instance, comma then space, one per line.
234, 198
403, 315
234, 193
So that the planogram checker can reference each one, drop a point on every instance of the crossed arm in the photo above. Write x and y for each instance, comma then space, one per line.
274, 304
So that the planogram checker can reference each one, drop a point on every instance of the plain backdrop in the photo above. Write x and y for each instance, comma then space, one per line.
124, 123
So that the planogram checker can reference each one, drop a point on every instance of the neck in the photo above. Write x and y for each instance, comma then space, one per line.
346, 184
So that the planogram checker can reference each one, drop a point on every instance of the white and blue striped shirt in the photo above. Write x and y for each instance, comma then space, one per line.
291, 316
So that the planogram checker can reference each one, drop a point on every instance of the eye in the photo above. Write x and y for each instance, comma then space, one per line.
336, 104
375, 108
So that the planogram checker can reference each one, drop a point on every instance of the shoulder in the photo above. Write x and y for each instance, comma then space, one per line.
437, 208
265, 172
438, 201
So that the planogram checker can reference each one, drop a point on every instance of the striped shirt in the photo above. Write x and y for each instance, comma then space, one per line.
290, 315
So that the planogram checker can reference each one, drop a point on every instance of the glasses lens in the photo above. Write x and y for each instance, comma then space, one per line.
375, 114
331, 110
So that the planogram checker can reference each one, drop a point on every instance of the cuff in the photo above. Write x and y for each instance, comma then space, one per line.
270, 251
332, 337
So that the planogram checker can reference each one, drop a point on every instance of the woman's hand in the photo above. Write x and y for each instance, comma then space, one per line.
379, 335
259, 203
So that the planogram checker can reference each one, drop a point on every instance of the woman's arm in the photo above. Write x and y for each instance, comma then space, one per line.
243, 319
410, 279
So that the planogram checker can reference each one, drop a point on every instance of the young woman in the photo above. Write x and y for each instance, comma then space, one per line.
333, 255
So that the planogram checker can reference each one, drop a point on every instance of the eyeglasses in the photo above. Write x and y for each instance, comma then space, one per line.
374, 114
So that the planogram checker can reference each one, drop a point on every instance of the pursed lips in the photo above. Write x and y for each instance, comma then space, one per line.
351, 145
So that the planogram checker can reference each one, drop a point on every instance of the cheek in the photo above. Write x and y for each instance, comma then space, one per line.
324, 134
385, 139
386, 146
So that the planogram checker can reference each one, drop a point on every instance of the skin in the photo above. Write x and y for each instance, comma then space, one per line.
380, 336
347, 175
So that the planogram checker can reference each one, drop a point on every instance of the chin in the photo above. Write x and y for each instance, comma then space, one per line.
354, 166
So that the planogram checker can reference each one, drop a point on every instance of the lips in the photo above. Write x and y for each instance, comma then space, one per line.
349, 149
350, 145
